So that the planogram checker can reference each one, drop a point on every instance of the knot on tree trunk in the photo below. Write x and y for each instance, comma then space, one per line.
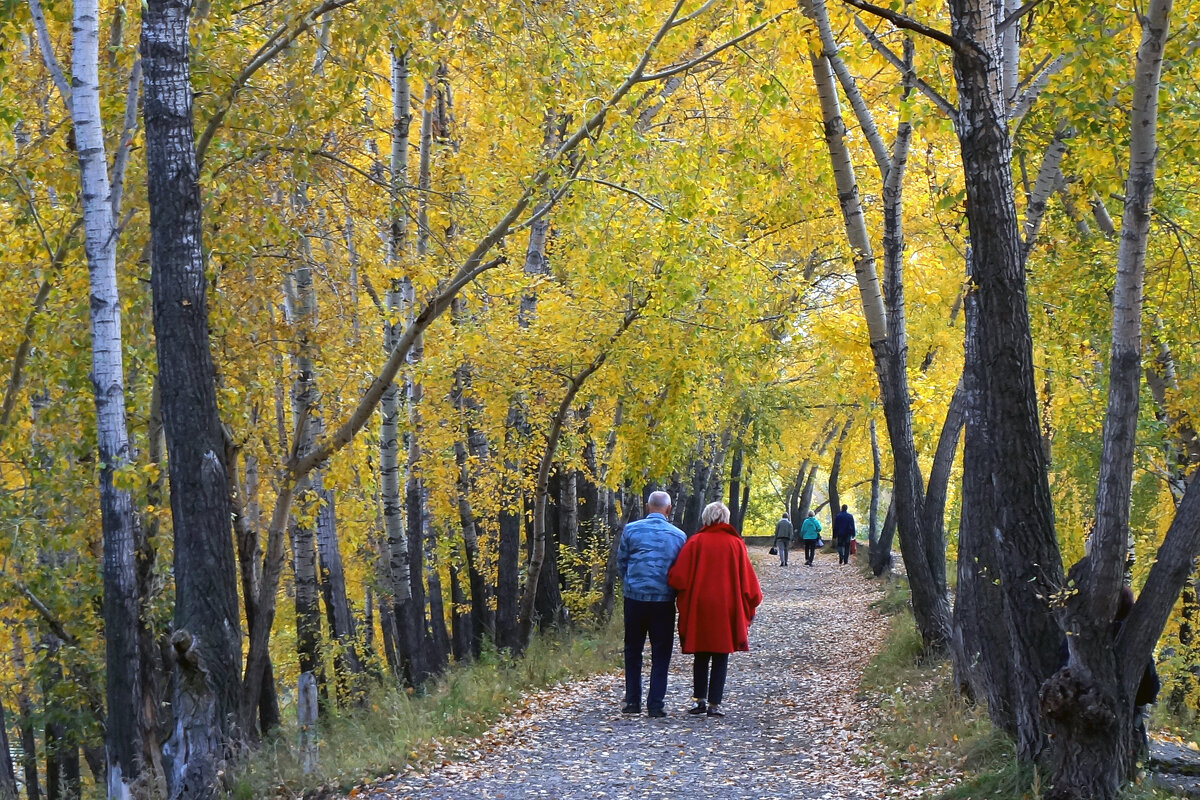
1072, 699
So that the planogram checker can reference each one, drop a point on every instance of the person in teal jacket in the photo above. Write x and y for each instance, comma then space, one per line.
810, 532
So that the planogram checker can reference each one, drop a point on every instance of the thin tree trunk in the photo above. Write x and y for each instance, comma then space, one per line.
886, 329
1094, 759
348, 663
29, 767
8, 776
123, 733
207, 631
873, 514
880, 554
835, 470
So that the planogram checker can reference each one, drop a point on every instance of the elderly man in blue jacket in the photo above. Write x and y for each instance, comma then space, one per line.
647, 550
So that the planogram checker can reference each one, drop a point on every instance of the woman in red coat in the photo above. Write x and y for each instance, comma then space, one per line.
718, 592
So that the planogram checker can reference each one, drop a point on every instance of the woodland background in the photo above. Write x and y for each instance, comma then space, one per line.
674, 305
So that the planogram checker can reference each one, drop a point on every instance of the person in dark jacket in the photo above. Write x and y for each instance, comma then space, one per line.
647, 550
783, 538
718, 594
843, 534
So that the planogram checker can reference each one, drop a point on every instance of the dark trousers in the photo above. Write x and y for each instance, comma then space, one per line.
810, 550
706, 686
782, 546
844, 552
657, 620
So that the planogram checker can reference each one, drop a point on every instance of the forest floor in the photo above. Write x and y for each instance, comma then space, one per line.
796, 725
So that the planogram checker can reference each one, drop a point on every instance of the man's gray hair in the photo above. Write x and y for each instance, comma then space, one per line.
715, 512
659, 500
812, 513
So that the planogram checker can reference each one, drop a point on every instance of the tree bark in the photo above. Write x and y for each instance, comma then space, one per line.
876, 476
880, 554
8, 776
1020, 523
206, 612
835, 470
923, 550
29, 767
123, 733
1098, 737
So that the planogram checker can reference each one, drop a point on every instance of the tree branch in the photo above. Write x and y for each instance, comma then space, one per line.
924, 88
910, 24
1016, 15
278, 41
687, 65
48, 58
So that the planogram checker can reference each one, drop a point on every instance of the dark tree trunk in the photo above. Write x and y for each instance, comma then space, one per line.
1021, 524
207, 628
736, 512
507, 574
439, 638
29, 764
880, 555
806, 494
876, 475
387, 630
701, 468
417, 645
982, 645
62, 749
8, 776
348, 663
461, 635
835, 470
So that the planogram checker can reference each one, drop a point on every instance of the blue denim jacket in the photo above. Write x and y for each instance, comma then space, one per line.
648, 549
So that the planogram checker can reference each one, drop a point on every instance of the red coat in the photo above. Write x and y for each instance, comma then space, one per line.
718, 591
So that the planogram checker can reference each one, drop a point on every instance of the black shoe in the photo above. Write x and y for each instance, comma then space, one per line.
631, 708
657, 713
715, 711
699, 708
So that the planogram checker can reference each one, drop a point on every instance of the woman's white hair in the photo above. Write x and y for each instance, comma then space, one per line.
714, 512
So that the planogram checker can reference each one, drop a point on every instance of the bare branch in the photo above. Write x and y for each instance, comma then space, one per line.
924, 88
687, 65
910, 24
686, 19
128, 129
1016, 15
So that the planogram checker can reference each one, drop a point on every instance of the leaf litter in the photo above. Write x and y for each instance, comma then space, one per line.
796, 725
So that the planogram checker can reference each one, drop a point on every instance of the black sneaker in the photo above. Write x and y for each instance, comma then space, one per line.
657, 713
715, 711
699, 708
631, 708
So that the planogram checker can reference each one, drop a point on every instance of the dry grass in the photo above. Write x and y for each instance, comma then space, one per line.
395, 728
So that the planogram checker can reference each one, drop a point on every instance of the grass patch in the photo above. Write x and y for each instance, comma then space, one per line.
394, 728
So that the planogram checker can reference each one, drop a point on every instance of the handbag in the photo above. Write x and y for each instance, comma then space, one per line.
853, 546
774, 551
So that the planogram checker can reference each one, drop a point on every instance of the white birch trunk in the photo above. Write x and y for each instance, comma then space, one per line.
123, 731
389, 455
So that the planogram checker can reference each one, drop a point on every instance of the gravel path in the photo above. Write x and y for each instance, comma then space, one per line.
794, 728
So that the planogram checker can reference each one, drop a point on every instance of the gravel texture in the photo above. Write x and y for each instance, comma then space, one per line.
794, 726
